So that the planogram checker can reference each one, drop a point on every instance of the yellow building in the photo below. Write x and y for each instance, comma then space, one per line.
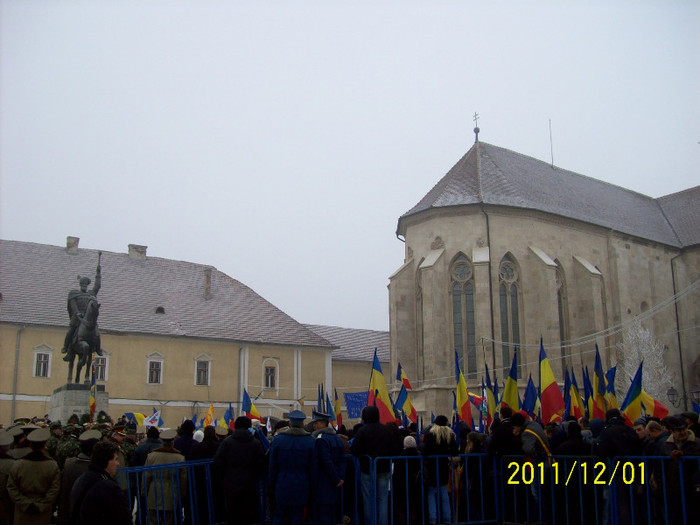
176, 337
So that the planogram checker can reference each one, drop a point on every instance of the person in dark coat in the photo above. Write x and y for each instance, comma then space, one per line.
206, 449
406, 485
96, 496
329, 450
238, 463
74, 468
502, 442
151, 443
291, 470
617, 440
373, 439
682, 443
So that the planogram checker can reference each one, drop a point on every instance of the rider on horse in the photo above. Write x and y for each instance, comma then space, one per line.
78, 301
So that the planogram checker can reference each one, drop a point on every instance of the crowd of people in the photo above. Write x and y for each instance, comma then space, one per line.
298, 473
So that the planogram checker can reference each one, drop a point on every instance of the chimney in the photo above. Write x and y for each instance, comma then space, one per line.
137, 252
72, 244
207, 283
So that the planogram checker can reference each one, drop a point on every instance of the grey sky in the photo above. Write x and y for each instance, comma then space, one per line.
280, 141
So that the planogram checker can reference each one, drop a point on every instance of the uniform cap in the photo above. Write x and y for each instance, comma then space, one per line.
90, 434
168, 435
221, 431
320, 416
6, 439
40, 435
296, 415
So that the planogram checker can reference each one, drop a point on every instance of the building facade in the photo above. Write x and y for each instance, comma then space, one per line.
506, 249
176, 337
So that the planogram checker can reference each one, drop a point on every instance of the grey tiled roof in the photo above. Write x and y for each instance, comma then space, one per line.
35, 280
682, 209
492, 175
355, 344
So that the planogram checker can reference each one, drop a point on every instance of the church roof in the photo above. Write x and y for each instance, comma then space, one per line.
682, 209
35, 280
492, 175
354, 344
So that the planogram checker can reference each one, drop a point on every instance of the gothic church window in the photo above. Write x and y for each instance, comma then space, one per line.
563, 309
463, 322
509, 300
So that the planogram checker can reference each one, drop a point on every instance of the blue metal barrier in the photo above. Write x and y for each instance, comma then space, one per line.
571, 490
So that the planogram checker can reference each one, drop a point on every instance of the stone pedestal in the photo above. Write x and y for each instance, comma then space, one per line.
74, 398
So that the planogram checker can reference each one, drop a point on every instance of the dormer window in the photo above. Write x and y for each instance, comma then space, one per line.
160, 310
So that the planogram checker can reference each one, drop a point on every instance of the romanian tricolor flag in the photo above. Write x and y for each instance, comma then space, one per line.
550, 395
336, 409
510, 392
577, 407
378, 394
401, 376
330, 411
587, 392
652, 407
209, 418
598, 387
93, 393
632, 405
610, 397
464, 408
248, 408
490, 399
403, 403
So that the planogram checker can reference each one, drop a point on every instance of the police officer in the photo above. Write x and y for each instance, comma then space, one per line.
291, 470
330, 465
34, 482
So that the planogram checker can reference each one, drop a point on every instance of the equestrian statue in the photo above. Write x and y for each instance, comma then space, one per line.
83, 337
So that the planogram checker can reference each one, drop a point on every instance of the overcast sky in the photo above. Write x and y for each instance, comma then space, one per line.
280, 141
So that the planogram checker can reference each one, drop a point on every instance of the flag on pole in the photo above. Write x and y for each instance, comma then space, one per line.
652, 407
154, 420
93, 393
577, 406
378, 395
401, 376
464, 408
510, 392
632, 405
587, 392
330, 411
403, 403
135, 417
248, 408
531, 402
336, 409
598, 387
209, 418
567, 394
229, 417
610, 397
490, 399
550, 396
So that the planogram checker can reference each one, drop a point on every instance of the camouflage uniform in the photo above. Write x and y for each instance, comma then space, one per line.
68, 447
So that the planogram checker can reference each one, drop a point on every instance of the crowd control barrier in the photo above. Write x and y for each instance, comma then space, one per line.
480, 489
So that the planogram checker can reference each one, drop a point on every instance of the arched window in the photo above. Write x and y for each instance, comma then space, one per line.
563, 309
463, 323
509, 299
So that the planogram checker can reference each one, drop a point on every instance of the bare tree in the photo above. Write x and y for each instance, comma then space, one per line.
639, 344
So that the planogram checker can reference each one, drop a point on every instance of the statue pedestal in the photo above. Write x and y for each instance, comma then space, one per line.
74, 398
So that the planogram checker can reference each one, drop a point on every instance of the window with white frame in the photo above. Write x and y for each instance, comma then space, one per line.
100, 368
154, 369
202, 368
270, 367
42, 361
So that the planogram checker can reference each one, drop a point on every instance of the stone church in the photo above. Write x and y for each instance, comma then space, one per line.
506, 249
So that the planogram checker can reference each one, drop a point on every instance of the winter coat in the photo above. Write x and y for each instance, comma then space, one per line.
373, 439
292, 467
438, 441
161, 485
33, 485
239, 461
532, 438
330, 462
97, 498
143, 449
617, 439
6, 463
75, 467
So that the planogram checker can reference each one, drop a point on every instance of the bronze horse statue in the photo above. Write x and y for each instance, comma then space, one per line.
85, 342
